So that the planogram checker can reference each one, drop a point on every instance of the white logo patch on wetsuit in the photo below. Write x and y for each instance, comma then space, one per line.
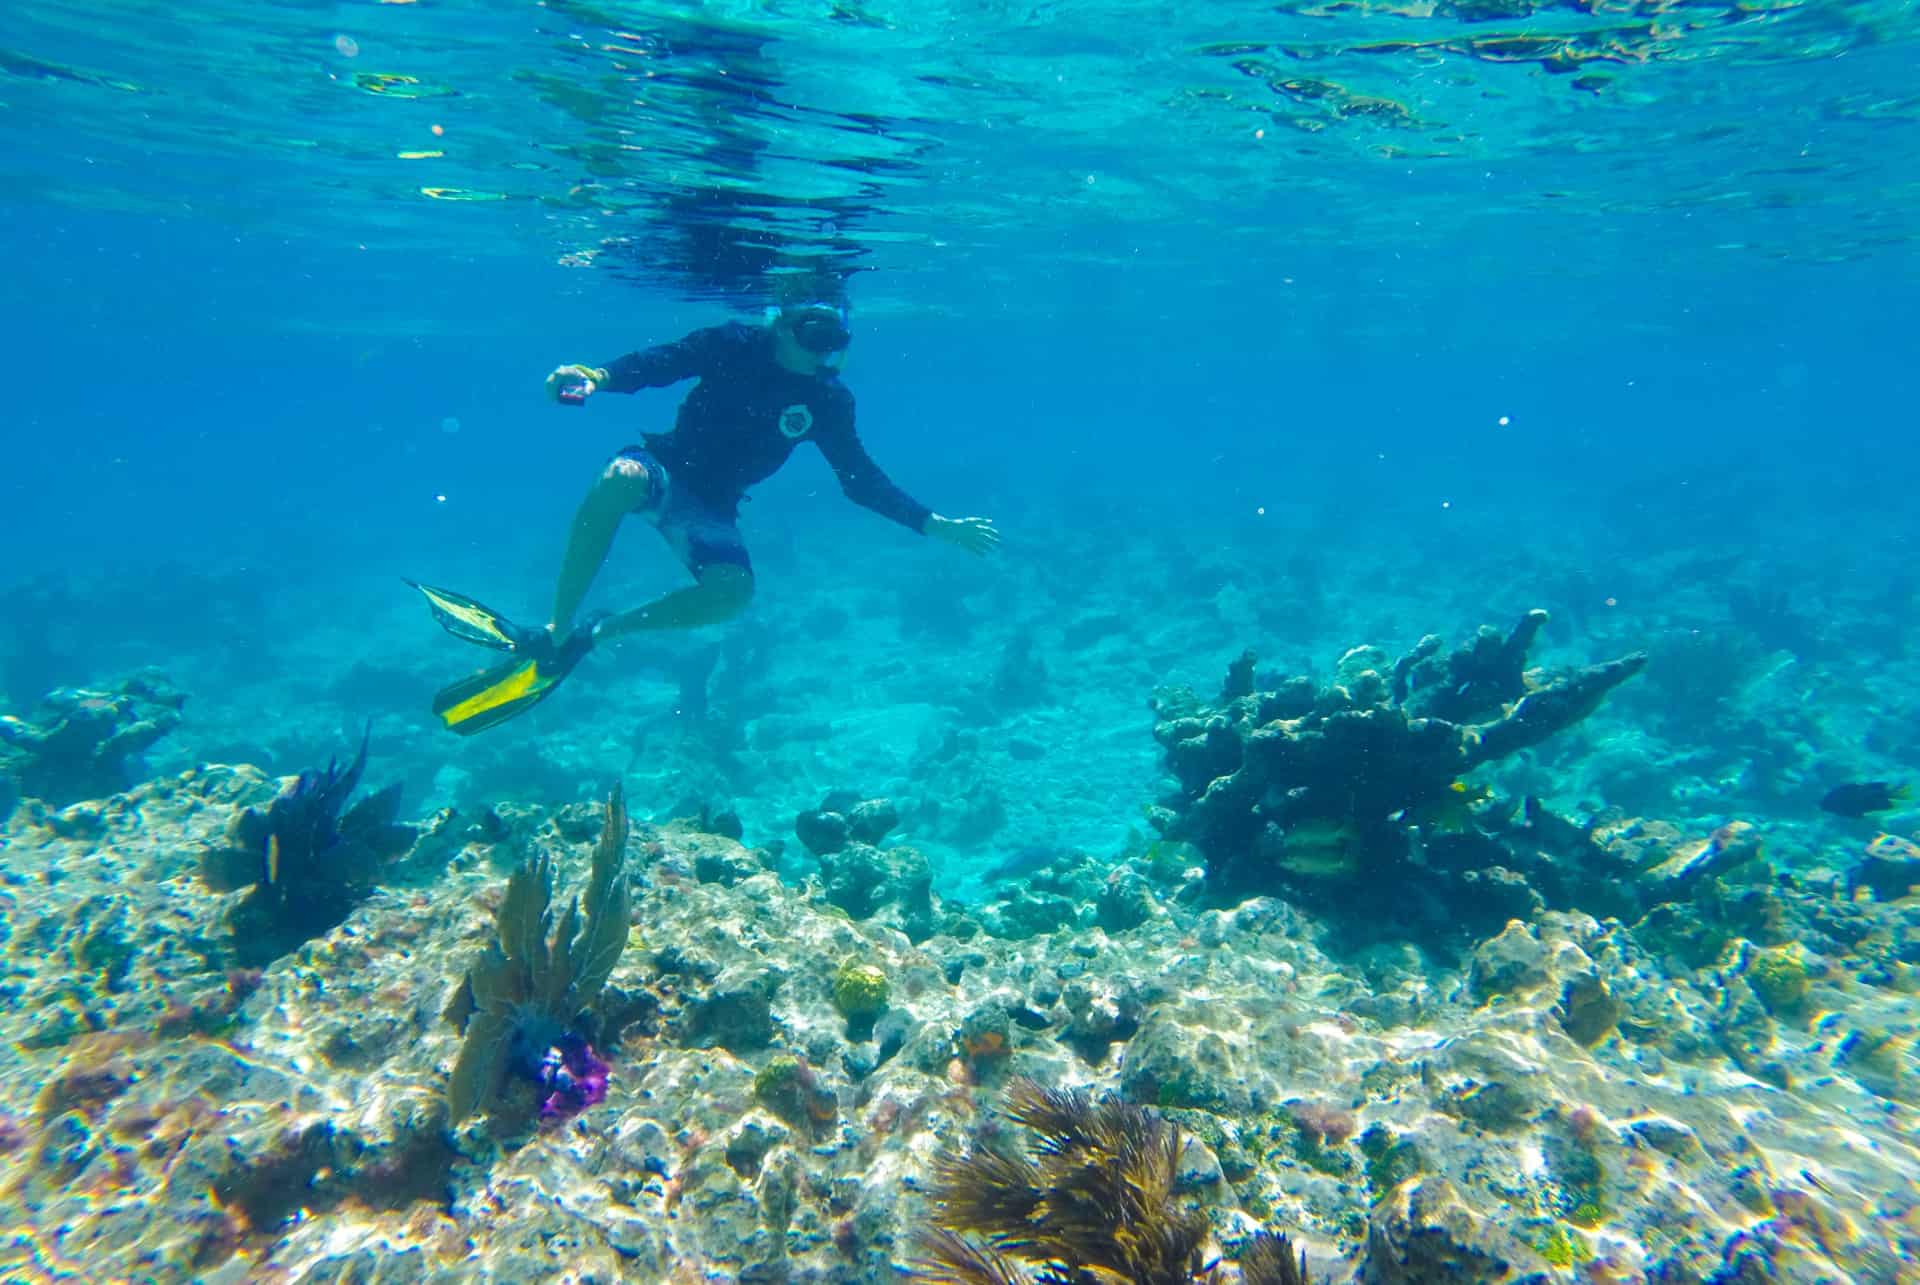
796, 420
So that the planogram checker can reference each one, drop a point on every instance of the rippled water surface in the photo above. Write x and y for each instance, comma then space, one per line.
694, 144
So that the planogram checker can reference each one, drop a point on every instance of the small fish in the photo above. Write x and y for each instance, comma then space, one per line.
273, 858
1859, 798
1028, 859
1453, 812
1321, 847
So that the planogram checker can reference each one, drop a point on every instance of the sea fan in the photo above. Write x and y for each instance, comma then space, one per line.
1087, 1197
520, 1002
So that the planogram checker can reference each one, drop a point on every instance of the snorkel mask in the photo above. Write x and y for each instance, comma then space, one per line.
820, 328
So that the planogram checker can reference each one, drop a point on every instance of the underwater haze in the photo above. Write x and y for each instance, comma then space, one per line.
1307, 330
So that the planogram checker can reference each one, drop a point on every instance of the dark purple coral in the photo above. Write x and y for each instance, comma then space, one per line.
574, 1076
309, 858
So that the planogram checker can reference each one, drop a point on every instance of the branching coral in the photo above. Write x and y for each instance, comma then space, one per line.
84, 743
521, 1002
308, 862
1091, 1200
1308, 782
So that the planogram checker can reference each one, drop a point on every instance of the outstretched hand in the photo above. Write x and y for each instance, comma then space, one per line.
975, 535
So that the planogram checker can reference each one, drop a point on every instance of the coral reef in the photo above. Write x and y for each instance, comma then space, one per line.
1890, 869
862, 878
1575, 1096
843, 817
1313, 788
84, 743
1093, 1197
520, 1004
305, 862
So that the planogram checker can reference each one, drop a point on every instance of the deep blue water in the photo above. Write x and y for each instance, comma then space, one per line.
1150, 303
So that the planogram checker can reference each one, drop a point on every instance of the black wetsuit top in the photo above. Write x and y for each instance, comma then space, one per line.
744, 417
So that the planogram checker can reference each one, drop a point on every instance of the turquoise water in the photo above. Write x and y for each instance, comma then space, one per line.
1283, 326
1416, 315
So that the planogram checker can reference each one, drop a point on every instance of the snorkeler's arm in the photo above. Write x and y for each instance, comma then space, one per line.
665, 364
860, 478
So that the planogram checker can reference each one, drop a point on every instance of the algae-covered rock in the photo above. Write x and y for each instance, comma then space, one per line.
1779, 977
1883, 1060
1024, 912
1100, 1015
866, 881
736, 1012
1424, 1233
844, 818
1890, 869
1516, 960
824, 833
1588, 1011
1168, 1065
796, 1093
1126, 901
1732, 845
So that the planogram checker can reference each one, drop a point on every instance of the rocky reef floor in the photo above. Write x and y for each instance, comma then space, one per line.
1566, 1099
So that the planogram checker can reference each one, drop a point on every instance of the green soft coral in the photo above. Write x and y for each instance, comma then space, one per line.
537, 973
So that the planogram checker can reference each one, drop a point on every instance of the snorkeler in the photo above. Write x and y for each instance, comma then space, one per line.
762, 390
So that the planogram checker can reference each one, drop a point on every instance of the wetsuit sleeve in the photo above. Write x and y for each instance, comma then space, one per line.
862, 479
665, 364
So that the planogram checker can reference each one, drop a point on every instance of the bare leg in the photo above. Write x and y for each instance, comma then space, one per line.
621, 487
721, 593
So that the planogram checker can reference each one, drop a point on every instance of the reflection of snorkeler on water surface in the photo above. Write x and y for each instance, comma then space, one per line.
762, 390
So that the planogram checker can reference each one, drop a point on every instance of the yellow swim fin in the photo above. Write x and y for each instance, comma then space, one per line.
515, 685
495, 695
471, 621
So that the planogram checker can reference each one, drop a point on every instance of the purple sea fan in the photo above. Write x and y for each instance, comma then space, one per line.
575, 1077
